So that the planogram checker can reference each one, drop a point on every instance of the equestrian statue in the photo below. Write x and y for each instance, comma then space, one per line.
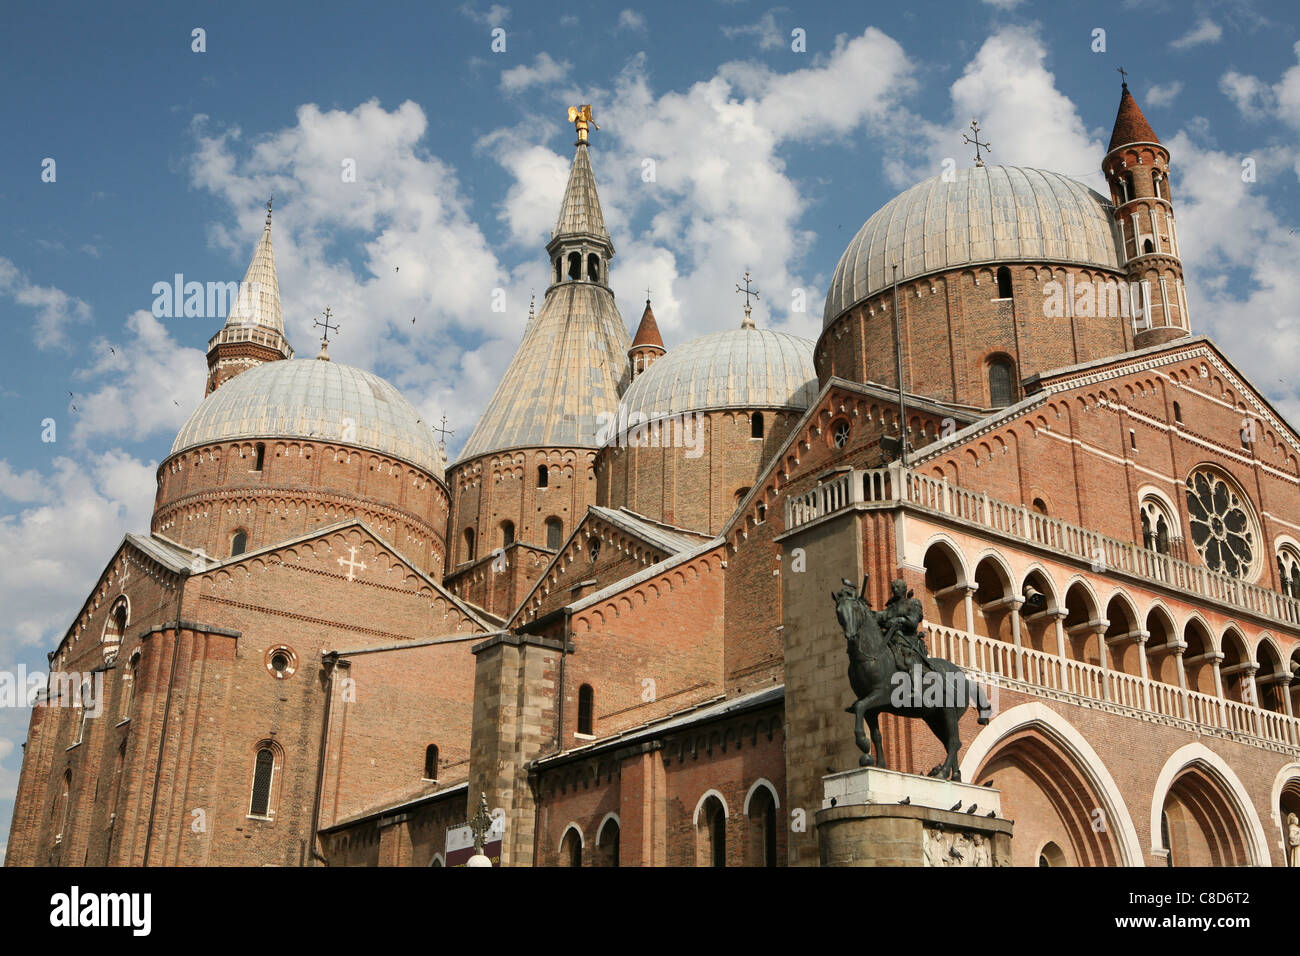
891, 673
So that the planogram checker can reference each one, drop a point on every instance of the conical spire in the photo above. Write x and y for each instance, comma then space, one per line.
580, 212
647, 333
258, 302
564, 380
1130, 125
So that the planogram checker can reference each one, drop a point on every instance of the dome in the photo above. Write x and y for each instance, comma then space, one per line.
987, 214
308, 398
739, 368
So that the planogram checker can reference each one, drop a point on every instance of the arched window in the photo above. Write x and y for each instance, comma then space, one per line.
575, 265
554, 533
586, 707
571, 848
543, 476
1000, 383
114, 630
593, 268
469, 544
1156, 526
507, 533
86, 701
61, 803
1127, 182
263, 777
715, 826
756, 425
608, 838
259, 457
593, 550
1147, 247
1178, 413
431, 762
129, 677
1040, 506
239, 543
739, 494
762, 818
1288, 569
559, 268
1004, 282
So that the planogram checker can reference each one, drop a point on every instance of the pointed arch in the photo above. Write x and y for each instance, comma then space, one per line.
1199, 758
1085, 760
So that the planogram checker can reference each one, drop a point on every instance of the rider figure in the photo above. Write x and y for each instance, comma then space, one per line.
898, 622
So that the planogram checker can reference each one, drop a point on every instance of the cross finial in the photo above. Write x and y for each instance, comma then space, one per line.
647, 295
443, 432
1123, 74
580, 117
749, 322
975, 128
268, 210
325, 339
480, 825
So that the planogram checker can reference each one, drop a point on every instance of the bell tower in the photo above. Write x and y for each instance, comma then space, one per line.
254, 329
1137, 170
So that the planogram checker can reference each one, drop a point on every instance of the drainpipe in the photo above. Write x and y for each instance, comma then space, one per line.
329, 660
167, 711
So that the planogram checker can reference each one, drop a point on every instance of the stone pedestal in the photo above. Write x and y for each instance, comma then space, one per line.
873, 817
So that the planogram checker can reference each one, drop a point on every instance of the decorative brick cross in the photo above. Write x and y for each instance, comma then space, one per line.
351, 563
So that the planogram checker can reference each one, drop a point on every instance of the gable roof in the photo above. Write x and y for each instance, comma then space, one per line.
676, 542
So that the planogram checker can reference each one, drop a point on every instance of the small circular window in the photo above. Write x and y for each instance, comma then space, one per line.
840, 434
1223, 531
281, 662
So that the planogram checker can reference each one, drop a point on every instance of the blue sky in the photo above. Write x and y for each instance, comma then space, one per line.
765, 158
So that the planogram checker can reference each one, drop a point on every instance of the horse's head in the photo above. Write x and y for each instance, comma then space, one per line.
850, 610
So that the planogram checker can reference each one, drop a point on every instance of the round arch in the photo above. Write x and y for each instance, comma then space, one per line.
767, 785
953, 551
1197, 755
576, 829
726, 812
1088, 763
600, 828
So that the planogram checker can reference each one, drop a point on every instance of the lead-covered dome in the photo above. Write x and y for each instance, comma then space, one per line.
986, 214
739, 368
312, 399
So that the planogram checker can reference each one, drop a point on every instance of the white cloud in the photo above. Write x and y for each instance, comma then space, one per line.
65, 537
1205, 31
1022, 114
494, 16
55, 309
1162, 94
1004, 4
406, 211
720, 200
148, 383
769, 36
1227, 227
543, 71
630, 20
1251, 95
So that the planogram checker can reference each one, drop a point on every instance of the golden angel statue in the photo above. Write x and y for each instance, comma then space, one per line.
580, 116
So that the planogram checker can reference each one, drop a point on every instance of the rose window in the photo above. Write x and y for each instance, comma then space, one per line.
1222, 530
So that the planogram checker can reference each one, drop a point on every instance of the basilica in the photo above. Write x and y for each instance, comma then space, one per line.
610, 620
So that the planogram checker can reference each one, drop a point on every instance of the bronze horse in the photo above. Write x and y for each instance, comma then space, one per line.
877, 681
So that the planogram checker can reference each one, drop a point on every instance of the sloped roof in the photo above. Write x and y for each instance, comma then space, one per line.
310, 399
1130, 125
580, 212
737, 368
666, 537
983, 214
647, 333
258, 302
